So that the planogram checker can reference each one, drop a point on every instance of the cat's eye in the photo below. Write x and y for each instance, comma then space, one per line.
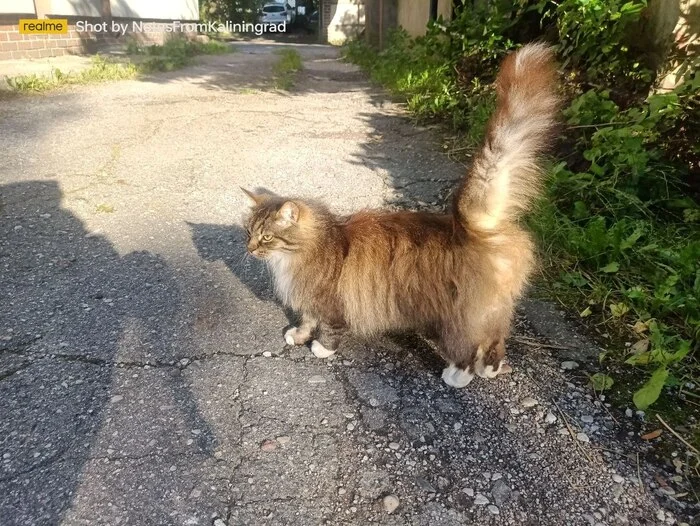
267, 238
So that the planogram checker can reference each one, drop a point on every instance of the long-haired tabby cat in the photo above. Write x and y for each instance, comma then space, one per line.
455, 276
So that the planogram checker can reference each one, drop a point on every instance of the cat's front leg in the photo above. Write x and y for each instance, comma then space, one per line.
302, 334
328, 340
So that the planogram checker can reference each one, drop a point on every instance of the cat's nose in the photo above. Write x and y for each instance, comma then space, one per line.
252, 246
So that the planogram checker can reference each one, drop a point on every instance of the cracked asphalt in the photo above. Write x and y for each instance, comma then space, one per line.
143, 375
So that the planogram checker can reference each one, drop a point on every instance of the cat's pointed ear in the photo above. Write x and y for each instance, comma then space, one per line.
288, 212
254, 198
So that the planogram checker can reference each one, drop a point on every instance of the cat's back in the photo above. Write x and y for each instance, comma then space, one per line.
392, 228
395, 267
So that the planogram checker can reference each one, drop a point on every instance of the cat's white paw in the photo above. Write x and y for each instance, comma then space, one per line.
491, 372
289, 336
320, 351
455, 377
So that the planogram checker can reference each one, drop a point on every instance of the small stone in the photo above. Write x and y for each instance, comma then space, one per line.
487, 475
618, 479
528, 402
342, 491
350, 426
425, 485
394, 445
390, 503
582, 437
550, 418
373, 402
480, 500
569, 365
6, 455
284, 440
268, 445
317, 379
469, 492
587, 419
496, 476
628, 413
457, 426
661, 515
117, 398
219, 522
493, 509
501, 493
195, 493
184, 362
267, 354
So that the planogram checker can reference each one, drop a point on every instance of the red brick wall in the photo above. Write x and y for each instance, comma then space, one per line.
14, 45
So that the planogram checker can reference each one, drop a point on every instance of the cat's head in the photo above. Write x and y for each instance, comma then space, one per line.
274, 225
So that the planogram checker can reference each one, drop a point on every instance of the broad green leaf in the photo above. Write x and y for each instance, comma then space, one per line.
611, 268
651, 390
601, 382
639, 359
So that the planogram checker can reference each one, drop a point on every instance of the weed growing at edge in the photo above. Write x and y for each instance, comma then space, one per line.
286, 68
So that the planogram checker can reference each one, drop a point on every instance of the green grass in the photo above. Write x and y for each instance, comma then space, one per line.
101, 70
286, 68
174, 54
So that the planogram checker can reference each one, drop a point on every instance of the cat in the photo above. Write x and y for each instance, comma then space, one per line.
454, 277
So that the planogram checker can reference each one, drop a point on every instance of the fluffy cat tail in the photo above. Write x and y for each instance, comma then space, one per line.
505, 176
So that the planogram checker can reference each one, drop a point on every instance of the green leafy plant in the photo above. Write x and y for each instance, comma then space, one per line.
595, 35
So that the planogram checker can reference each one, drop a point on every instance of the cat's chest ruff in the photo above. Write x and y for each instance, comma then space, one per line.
281, 267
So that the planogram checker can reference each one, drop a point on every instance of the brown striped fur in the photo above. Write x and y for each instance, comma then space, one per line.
455, 276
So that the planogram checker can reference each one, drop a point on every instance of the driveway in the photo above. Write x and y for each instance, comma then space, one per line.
143, 375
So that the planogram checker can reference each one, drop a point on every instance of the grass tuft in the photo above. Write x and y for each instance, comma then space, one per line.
286, 68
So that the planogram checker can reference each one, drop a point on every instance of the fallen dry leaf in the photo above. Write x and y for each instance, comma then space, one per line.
640, 347
652, 435
640, 327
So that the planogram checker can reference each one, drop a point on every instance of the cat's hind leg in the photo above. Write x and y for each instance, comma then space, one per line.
328, 340
301, 334
490, 359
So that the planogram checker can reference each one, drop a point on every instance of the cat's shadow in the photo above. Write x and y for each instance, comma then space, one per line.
227, 243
